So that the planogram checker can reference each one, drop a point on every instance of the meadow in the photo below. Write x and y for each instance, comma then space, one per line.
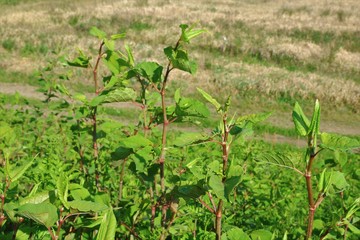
179, 120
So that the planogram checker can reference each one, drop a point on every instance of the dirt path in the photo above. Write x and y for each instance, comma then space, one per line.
28, 91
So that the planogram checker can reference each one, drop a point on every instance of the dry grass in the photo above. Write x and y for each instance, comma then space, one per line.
235, 27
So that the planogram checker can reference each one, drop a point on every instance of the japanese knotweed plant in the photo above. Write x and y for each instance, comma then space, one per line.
143, 150
218, 180
330, 181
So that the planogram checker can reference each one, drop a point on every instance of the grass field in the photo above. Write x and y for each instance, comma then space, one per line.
267, 54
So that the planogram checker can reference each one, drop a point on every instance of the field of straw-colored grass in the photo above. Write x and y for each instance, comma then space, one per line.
264, 46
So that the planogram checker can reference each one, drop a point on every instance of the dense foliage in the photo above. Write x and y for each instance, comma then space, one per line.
69, 171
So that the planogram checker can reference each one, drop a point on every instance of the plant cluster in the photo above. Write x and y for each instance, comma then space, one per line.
70, 172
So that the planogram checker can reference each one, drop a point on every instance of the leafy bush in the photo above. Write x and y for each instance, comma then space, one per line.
69, 172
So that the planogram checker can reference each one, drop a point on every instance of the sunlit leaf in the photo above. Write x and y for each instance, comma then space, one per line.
108, 226
236, 234
62, 186
210, 99
336, 142
261, 234
110, 44
10, 209
87, 206
37, 197
130, 55
136, 142
315, 120
42, 213
117, 95
188, 33
187, 107
189, 138
301, 122
17, 172
117, 36
97, 33
253, 118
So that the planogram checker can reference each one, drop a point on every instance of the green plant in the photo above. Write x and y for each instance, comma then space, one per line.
71, 170
9, 44
329, 182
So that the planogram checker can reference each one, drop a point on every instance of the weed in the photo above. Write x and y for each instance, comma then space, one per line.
74, 20
9, 44
341, 15
139, 26
294, 10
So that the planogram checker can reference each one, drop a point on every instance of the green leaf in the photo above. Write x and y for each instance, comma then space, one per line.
230, 184
17, 172
136, 142
285, 236
78, 192
319, 224
152, 71
227, 104
336, 142
353, 229
180, 60
36, 198
261, 235
97, 33
121, 153
117, 36
97, 100
333, 182
189, 138
80, 97
338, 180
62, 186
87, 206
42, 213
22, 235
110, 44
300, 120
277, 159
120, 95
114, 80
177, 95
315, 120
353, 208
187, 107
322, 182
62, 89
108, 226
189, 33
211, 100
191, 191
115, 63
236, 233
10, 209
117, 95
130, 55
215, 183
5, 131
253, 118
142, 157
81, 61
